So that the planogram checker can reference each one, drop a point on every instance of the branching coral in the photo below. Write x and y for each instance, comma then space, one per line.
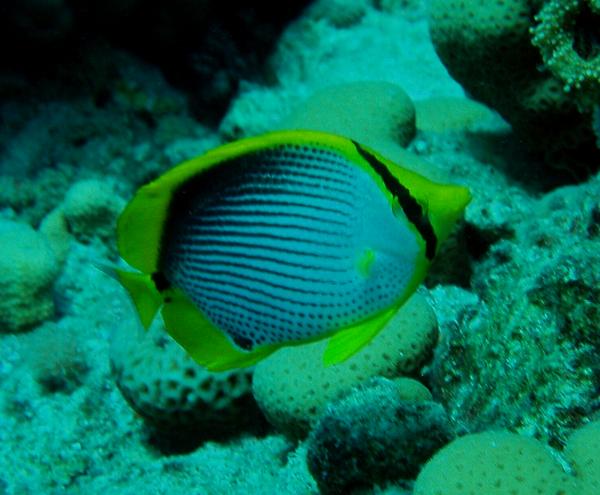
568, 37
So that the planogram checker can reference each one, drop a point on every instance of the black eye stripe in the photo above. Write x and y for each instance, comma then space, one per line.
412, 209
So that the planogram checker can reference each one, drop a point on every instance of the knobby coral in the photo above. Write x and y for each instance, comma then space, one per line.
487, 47
568, 37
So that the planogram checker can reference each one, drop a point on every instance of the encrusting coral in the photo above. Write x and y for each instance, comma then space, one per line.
372, 435
170, 391
28, 268
293, 386
494, 463
533, 314
487, 48
568, 36
504, 463
91, 208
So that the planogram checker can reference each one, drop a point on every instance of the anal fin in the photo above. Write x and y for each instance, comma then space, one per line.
203, 341
350, 340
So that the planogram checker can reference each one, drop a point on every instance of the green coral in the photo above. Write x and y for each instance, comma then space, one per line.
28, 269
372, 436
293, 388
494, 463
568, 37
487, 48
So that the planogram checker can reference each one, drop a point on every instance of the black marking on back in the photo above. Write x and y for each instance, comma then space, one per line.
412, 209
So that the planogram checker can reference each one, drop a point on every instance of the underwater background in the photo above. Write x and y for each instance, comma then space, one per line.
485, 382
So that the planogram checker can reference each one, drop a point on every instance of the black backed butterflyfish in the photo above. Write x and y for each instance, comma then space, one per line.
281, 239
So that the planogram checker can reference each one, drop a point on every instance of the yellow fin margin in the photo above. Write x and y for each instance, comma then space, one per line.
348, 341
203, 341
143, 293
140, 227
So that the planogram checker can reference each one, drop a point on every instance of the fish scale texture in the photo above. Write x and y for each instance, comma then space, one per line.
292, 386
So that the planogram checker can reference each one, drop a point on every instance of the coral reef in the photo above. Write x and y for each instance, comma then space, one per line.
582, 452
293, 386
312, 55
534, 316
444, 114
54, 227
56, 355
28, 268
503, 463
200, 45
90, 209
371, 112
494, 463
487, 48
371, 436
130, 137
376, 113
516, 298
596, 124
340, 13
568, 37
173, 393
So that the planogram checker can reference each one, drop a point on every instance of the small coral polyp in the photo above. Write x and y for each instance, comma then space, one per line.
568, 37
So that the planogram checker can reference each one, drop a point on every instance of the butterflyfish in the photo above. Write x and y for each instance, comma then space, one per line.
281, 239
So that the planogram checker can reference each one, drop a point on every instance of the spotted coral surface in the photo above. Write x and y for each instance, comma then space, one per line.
169, 390
583, 453
293, 386
494, 463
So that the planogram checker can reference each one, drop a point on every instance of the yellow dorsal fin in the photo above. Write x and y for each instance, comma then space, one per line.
203, 341
350, 340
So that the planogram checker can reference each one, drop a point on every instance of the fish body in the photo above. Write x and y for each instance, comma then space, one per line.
281, 239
